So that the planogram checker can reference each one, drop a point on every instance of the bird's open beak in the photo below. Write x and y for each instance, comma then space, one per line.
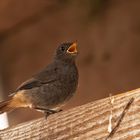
73, 48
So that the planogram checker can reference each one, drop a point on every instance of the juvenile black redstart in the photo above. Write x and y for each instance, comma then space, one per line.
51, 88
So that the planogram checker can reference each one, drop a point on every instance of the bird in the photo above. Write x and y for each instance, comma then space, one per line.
51, 88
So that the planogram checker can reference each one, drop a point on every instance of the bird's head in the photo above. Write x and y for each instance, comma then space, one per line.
67, 51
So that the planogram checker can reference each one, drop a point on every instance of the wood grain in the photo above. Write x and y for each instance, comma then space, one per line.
86, 122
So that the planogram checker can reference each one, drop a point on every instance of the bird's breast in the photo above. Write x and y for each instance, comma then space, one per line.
69, 80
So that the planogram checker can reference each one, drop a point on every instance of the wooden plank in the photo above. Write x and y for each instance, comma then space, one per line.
86, 122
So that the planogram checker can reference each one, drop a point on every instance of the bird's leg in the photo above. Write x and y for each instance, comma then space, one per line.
54, 111
48, 112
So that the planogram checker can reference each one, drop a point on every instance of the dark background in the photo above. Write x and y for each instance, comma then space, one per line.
108, 34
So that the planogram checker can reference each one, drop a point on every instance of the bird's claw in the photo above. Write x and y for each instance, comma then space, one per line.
49, 112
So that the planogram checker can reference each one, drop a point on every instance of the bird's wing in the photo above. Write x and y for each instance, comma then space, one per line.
46, 76
32, 83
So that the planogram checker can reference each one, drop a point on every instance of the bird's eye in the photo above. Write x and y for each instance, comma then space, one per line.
62, 48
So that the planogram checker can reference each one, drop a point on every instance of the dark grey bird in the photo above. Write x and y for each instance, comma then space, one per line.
51, 88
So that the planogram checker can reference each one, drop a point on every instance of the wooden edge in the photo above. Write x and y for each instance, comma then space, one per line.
89, 121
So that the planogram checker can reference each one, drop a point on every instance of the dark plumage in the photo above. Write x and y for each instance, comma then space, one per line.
52, 87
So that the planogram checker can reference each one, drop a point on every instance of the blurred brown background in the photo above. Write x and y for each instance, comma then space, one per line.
107, 31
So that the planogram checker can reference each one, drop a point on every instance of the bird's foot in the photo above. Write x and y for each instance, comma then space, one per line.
49, 112
53, 111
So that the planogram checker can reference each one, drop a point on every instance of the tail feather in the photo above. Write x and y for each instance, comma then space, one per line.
5, 105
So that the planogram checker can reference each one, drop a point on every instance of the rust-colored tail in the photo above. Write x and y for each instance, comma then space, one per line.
5, 105
15, 101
